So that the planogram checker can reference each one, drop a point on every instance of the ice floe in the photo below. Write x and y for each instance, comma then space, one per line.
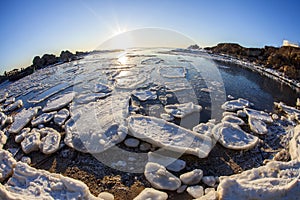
260, 115
233, 137
61, 116
151, 194
97, 126
28, 183
257, 126
160, 178
172, 72
170, 136
276, 180
192, 177
50, 143
182, 110
235, 105
172, 164
43, 118
59, 102
22, 118
144, 95
31, 142
7, 163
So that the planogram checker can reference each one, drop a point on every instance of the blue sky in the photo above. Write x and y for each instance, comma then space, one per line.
32, 27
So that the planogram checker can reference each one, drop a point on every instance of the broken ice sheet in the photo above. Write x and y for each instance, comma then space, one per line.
97, 126
59, 102
43, 118
28, 183
170, 136
87, 98
233, 137
235, 105
61, 116
172, 72
181, 110
260, 115
144, 95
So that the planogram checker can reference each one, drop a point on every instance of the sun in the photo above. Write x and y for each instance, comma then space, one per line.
119, 30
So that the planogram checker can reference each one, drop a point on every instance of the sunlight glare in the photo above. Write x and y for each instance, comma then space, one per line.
123, 59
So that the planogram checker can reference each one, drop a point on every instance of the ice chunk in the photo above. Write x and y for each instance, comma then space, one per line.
61, 116
170, 136
151, 194
28, 183
43, 118
132, 79
212, 195
160, 178
192, 177
132, 142
209, 180
235, 105
195, 191
172, 72
233, 137
31, 142
22, 119
101, 88
181, 110
277, 181
26, 159
7, 163
233, 119
106, 196
204, 128
260, 115
97, 126
167, 117
49, 92
294, 145
170, 163
181, 189
87, 98
59, 102
257, 126
289, 110
14, 106
144, 95
50, 143
151, 61
9, 101
19, 138
3, 139
3, 118
3, 97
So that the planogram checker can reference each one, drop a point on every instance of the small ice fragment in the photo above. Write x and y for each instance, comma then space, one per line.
192, 177
61, 116
43, 118
151, 194
59, 102
195, 191
181, 110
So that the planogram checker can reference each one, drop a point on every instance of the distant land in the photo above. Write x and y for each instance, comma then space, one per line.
285, 59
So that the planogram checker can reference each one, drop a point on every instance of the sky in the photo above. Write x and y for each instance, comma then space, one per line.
31, 27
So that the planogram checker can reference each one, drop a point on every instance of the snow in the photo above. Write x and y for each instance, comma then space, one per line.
7, 163
182, 110
192, 177
59, 102
276, 180
151, 194
22, 118
170, 136
43, 185
160, 178
257, 126
233, 137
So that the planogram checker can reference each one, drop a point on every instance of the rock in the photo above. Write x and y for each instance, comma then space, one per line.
22, 119
31, 142
195, 191
14, 106
170, 136
209, 180
7, 163
28, 183
170, 163
3, 139
66, 56
43, 118
259, 115
160, 178
61, 116
275, 180
192, 177
151, 194
59, 102
50, 143
181, 189
132, 142
294, 145
145, 146
182, 110
233, 137
145, 95
167, 117
233, 119
234, 105
26, 159
106, 196
257, 126
97, 126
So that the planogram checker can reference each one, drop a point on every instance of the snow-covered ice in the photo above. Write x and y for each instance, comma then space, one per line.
13, 106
